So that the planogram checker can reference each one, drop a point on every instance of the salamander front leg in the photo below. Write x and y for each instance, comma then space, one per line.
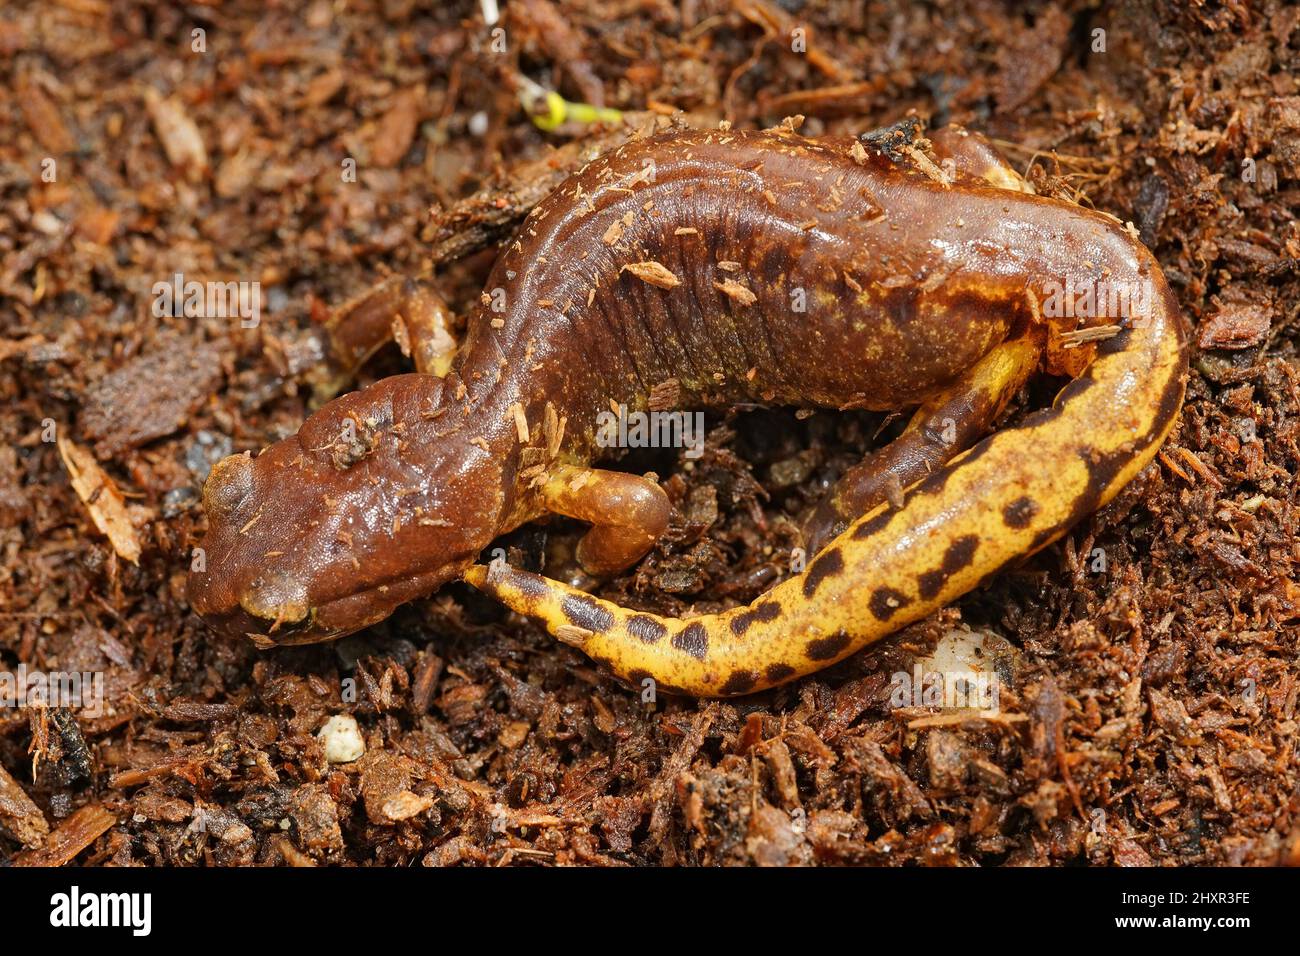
942, 427
974, 155
409, 311
628, 513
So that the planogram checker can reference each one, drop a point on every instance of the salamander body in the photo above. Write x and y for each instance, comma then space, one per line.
717, 267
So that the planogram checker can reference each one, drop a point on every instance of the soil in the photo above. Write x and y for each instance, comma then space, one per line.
1149, 668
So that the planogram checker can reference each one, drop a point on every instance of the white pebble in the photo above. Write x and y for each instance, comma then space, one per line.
341, 738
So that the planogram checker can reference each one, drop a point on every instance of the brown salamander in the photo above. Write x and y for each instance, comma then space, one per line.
737, 267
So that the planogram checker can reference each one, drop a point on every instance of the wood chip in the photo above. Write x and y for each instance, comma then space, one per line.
936, 279
736, 292
20, 818
44, 118
613, 233
572, 634
395, 131
521, 422
180, 137
405, 804
73, 835
926, 166
1192, 462
1096, 333
12, 347
550, 430
151, 395
105, 503
654, 273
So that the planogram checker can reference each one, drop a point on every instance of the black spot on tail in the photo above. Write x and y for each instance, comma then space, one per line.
825, 648
1104, 467
528, 584
935, 484
694, 640
765, 611
1116, 343
587, 614
958, 556
886, 602
739, 682
776, 673
873, 525
646, 629
1170, 402
828, 564
1019, 513
1103, 470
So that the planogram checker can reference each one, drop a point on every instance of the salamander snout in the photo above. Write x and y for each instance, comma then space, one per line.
328, 531
246, 577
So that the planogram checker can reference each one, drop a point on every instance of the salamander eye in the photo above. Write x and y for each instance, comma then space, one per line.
228, 485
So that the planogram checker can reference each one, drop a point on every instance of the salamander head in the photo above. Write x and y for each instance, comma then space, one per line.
379, 499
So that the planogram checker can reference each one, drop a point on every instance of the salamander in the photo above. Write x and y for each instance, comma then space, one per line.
701, 269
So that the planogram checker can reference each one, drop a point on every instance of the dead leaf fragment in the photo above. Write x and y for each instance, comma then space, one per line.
20, 818
44, 118
736, 292
404, 804
178, 134
396, 130
73, 835
1234, 327
105, 503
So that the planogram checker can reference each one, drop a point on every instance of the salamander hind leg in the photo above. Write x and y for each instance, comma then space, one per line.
627, 513
408, 311
972, 154
939, 429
